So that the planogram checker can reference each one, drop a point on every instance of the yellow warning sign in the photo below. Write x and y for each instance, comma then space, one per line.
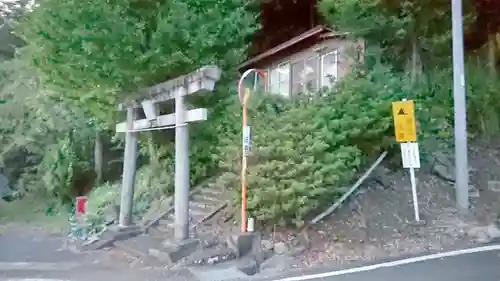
404, 121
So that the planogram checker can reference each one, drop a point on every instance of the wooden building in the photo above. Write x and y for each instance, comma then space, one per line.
297, 51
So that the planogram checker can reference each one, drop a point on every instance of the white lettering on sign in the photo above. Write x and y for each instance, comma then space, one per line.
246, 140
410, 155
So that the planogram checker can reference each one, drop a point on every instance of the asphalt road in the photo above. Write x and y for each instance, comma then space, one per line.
18, 246
30, 255
93, 274
26, 255
483, 266
478, 266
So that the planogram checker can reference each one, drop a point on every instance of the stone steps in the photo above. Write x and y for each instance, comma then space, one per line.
158, 242
203, 204
142, 247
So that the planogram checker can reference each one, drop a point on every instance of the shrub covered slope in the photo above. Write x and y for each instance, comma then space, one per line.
59, 96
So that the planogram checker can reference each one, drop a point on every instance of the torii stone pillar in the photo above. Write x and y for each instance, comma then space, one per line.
203, 79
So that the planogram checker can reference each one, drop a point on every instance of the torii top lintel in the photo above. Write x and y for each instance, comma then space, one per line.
203, 78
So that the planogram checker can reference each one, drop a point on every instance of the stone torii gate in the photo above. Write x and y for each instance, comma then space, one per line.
203, 79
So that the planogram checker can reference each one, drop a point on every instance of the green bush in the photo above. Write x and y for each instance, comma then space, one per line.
483, 103
66, 168
152, 183
434, 106
305, 150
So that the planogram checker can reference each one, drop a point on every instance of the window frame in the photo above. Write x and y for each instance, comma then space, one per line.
279, 82
335, 52
295, 84
316, 71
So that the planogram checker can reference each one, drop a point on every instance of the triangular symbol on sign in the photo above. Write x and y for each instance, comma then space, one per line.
401, 112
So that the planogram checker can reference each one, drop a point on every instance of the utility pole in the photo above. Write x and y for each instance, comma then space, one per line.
459, 102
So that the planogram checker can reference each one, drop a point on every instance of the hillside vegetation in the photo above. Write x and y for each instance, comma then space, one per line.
80, 58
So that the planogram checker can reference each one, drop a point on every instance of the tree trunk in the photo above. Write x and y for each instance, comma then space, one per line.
416, 65
492, 58
98, 158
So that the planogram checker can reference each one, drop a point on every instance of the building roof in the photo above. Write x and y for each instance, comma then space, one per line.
314, 32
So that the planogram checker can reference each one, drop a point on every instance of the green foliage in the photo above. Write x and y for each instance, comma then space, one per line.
303, 156
83, 57
483, 107
64, 163
395, 25
89, 55
46, 147
153, 183
385, 86
101, 197
95, 50
483, 103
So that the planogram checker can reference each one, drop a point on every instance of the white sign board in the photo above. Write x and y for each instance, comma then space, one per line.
246, 140
410, 155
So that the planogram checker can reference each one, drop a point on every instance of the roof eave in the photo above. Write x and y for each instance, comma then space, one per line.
330, 33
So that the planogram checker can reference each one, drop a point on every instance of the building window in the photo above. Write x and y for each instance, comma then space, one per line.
305, 76
279, 79
329, 68
311, 75
297, 70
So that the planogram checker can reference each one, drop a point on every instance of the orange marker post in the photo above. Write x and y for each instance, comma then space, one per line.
244, 94
246, 144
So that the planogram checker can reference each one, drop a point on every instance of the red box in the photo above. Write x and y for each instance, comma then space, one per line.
81, 205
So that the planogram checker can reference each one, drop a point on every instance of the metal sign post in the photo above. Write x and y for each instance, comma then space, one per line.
244, 94
246, 150
411, 161
406, 134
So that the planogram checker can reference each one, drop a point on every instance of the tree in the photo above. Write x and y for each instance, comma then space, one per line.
406, 30
96, 49
40, 139
87, 55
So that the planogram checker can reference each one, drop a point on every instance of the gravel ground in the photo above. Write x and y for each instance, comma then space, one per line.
378, 223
